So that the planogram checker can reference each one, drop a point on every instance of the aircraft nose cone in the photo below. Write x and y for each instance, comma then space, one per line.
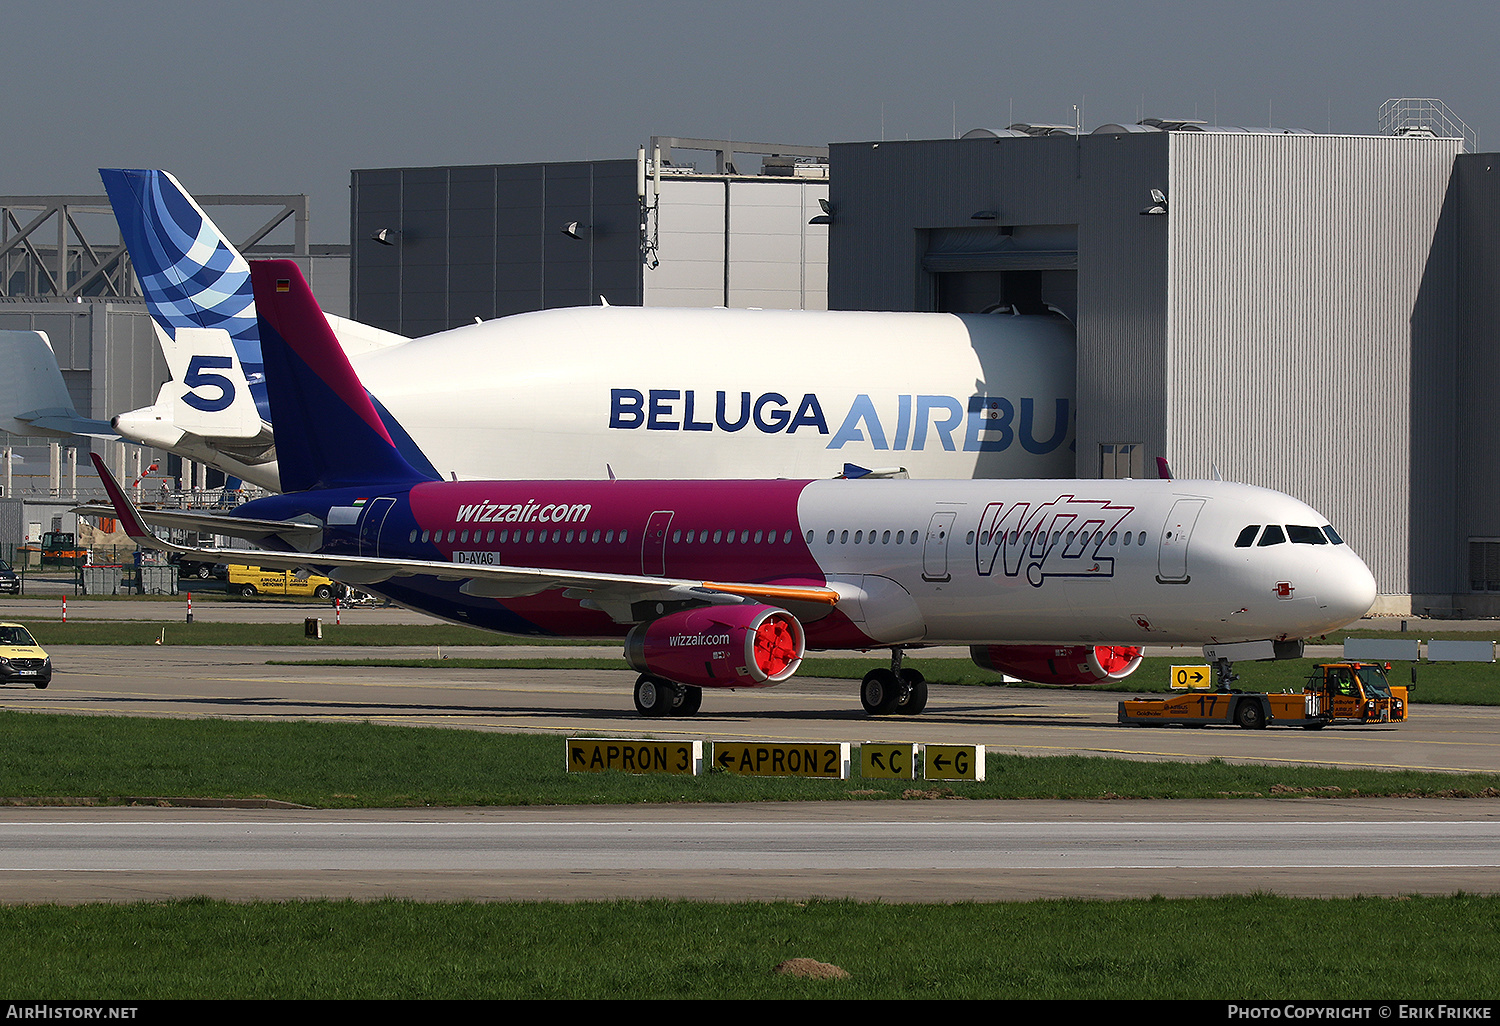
1346, 589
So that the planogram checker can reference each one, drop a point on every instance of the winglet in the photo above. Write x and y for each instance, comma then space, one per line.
1162, 470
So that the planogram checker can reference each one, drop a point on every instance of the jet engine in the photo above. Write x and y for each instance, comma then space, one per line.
1060, 664
719, 646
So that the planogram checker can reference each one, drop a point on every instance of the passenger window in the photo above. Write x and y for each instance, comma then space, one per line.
413, 535
1273, 536
1247, 537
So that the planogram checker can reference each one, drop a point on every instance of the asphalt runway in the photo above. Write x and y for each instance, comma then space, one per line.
906, 851
886, 851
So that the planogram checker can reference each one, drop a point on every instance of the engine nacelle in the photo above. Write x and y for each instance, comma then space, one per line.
719, 646
1060, 664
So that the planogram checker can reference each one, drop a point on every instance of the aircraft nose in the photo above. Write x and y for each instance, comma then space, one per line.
1346, 588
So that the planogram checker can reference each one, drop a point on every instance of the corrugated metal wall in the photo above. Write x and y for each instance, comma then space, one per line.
1312, 336
739, 242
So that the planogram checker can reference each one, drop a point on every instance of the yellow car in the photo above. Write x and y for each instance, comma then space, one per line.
261, 580
22, 660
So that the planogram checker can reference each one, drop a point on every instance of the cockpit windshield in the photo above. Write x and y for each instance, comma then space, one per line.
1372, 679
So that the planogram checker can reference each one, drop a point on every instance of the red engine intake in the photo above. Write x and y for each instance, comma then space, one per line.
719, 646
1060, 664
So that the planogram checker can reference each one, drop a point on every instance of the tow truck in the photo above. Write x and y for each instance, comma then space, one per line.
1346, 692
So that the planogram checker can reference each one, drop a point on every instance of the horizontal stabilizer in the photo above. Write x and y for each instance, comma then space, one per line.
33, 398
248, 528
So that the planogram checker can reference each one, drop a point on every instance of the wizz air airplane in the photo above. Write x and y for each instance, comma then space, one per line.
725, 584
576, 393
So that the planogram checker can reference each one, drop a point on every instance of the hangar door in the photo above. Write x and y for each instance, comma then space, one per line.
1032, 269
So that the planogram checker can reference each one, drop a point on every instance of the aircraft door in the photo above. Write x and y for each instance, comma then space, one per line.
1171, 559
654, 544
370, 523
935, 549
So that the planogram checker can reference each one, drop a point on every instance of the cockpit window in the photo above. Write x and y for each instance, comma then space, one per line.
1273, 536
1305, 535
1333, 535
1247, 537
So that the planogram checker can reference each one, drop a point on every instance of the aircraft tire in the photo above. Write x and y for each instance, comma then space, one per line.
1249, 715
654, 696
880, 692
914, 691
692, 701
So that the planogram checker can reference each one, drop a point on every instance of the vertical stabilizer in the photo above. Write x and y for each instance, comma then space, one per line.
328, 433
190, 275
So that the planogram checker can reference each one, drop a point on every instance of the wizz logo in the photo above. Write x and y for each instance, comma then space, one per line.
1061, 538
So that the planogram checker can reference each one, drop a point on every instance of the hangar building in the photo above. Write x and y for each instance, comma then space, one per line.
1311, 313
434, 248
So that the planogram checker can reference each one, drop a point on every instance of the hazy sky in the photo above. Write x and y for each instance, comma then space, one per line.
271, 96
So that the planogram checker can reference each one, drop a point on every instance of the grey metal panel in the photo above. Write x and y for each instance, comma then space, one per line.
468, 231
1477, 414
1307, 276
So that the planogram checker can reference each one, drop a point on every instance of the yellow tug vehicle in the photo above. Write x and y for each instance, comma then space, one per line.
1348, 692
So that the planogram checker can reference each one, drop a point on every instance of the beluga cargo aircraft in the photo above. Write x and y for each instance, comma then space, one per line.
726, 583
575, 392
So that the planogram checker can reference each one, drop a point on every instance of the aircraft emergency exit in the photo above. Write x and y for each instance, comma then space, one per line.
567, 393
726, 583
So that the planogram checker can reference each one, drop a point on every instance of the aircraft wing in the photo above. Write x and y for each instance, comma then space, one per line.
615, 594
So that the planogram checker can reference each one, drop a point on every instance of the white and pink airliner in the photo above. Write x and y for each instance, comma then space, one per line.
725, 584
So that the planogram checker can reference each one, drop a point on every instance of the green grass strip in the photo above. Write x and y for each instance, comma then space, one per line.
1256, 947
364, 765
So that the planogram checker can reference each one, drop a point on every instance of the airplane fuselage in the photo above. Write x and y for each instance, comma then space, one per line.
942, 562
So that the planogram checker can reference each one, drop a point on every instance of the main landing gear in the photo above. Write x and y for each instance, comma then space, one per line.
895, 690
655, 696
